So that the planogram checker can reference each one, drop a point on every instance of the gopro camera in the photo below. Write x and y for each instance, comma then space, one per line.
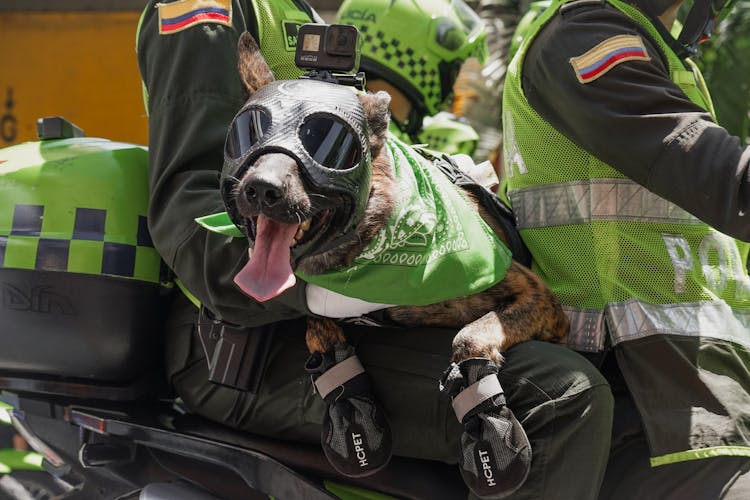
329, 48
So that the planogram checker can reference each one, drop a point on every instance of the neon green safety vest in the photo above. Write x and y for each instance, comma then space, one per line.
278, 23
635, 272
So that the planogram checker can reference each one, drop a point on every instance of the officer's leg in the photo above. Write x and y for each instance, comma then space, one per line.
565, 407
285, 401
630, 476
559, 397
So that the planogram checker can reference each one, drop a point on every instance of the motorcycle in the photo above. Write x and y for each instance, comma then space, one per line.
82, 292
21, 474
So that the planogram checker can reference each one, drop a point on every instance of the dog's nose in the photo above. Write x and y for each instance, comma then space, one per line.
263, 192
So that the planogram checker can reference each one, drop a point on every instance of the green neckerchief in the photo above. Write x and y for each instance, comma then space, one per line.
435, 246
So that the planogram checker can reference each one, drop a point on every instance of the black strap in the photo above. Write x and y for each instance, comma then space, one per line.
494, 206
681, 50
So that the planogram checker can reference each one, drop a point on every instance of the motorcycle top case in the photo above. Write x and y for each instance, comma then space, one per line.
80, 280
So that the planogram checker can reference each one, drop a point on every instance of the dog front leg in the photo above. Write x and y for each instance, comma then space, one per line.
356, 437
496, 453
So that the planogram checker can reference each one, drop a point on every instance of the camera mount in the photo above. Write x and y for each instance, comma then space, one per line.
330, 53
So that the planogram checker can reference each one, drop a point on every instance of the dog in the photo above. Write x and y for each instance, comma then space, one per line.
313, 221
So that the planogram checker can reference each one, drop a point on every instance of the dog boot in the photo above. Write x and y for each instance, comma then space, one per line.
356, 437
496, 454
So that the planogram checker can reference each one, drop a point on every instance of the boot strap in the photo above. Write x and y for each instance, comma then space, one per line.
338, 375
477, 393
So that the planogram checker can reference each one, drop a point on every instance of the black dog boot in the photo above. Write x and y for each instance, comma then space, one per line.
356, 437
496, 454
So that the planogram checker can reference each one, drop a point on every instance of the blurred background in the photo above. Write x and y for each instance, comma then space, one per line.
76, 58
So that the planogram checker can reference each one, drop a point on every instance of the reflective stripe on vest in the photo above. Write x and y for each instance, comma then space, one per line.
579, 202
634, 319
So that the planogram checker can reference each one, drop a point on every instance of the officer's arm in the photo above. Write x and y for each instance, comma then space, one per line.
635, 119
193, 93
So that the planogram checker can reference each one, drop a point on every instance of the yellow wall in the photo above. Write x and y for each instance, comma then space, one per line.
80, 65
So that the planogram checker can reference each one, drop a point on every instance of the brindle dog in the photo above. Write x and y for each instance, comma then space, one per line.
272, 190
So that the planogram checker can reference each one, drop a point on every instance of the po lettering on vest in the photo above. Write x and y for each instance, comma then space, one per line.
359, 450
484, 457
713, 247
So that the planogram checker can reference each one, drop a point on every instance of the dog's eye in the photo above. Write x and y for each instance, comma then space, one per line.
245, 131
330, 142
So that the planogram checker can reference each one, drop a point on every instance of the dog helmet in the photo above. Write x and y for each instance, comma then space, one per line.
323, 127
416, 45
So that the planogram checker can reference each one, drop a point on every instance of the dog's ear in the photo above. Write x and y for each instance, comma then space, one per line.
253, 69
378, 116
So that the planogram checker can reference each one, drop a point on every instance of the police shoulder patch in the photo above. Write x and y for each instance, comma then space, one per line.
608, 54
181, 15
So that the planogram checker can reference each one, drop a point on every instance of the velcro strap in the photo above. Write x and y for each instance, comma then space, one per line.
338, 375
475, 394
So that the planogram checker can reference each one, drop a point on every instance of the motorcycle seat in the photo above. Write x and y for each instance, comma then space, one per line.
402, 477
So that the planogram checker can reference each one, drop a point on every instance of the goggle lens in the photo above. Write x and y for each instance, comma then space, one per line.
330, 143
246, 130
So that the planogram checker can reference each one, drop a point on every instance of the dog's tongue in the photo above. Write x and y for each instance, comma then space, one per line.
268, 272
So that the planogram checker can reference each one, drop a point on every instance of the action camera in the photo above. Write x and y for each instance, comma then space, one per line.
332, 48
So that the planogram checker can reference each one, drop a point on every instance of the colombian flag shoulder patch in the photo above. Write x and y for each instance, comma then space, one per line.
177, 16
608, 54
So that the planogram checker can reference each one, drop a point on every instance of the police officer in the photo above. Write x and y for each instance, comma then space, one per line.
187, 58
413, 50
629, 197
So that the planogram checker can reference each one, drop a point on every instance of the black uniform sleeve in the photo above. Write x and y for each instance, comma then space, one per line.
637, 120
193, 93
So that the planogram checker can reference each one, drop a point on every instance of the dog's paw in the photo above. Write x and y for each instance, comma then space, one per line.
356, 437
496, 453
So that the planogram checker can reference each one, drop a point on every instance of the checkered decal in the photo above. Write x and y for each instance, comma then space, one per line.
438, 142
88, 248
381, 48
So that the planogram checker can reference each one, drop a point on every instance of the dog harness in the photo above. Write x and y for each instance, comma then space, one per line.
435, 246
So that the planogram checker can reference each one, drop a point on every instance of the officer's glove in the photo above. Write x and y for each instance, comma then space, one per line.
356, 437
496, 454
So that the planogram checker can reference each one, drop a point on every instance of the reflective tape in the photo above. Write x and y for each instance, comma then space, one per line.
338, 375
579, 202
634, 319
587, 329
474, 395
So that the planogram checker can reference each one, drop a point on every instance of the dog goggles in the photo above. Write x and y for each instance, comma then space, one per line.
322, 126
328, 140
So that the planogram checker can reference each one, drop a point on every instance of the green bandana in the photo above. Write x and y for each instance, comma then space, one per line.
435, 246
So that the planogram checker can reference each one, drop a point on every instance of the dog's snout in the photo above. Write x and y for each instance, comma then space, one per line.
262, 191
272, 186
